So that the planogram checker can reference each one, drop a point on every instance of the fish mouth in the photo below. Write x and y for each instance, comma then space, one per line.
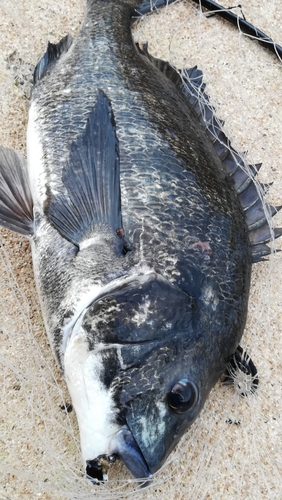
124, 447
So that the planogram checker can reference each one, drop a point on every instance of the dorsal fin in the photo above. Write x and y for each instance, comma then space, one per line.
16, 206
92, 180
250, 193
52, 54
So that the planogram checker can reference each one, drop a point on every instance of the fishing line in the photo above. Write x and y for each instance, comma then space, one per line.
242, 24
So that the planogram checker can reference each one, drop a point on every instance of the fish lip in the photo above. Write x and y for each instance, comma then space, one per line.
155, 465
125, 448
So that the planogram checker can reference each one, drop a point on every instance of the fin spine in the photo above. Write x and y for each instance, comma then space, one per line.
249, 192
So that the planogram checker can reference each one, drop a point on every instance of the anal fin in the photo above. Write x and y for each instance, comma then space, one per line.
16, 206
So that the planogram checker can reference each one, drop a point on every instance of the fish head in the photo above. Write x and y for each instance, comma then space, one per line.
147, 368
164, 393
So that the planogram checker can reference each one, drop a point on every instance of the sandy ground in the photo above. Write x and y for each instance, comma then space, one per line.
233, 451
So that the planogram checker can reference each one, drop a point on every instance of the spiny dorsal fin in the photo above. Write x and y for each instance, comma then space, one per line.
16, 206
92, 180
52, 54
161, 65
250, 193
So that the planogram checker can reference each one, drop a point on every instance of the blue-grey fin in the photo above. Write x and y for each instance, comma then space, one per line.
263, 234
52, 54
163, 66
16, 205
190, 82
92, 180
259, 252
241, 175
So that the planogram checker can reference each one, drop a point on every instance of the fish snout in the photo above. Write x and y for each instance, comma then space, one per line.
124, 447
157, 425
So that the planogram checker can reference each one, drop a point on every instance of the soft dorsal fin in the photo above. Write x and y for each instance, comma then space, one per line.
250, 192
16, 206
92, 180
52, 54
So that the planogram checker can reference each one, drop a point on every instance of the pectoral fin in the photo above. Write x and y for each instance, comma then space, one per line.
16, 206
92, 180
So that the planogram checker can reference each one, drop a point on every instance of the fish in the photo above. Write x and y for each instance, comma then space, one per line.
144, 223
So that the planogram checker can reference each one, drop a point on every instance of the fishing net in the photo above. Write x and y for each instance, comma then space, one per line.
234, 448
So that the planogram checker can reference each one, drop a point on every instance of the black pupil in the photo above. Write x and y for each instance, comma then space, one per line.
183, 396
176, 400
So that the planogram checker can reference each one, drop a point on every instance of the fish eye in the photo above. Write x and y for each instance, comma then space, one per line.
183, 396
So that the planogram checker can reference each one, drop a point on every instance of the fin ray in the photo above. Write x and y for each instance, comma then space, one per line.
91, 178
250, 193
16, 206
52, 54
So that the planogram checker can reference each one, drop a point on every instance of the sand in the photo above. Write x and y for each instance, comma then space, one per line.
233, 451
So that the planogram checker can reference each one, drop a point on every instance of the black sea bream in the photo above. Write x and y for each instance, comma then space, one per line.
143, 224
